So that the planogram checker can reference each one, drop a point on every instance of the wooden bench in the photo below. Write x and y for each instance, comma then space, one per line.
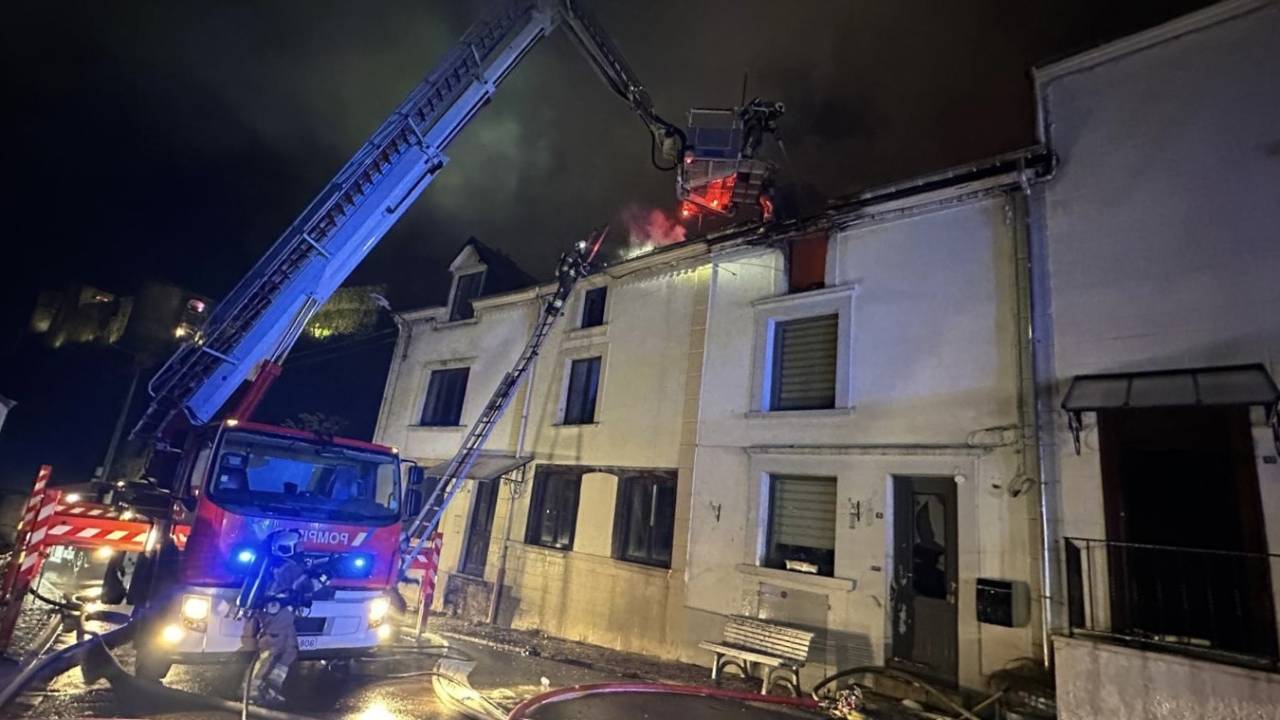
749, 642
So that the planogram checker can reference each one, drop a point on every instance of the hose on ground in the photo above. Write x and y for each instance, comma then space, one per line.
906, 677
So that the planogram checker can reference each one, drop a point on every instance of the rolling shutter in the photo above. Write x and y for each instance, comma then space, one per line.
804, 511
805, 364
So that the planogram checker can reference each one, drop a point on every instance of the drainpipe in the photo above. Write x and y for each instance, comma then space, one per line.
496, 595
1036, 398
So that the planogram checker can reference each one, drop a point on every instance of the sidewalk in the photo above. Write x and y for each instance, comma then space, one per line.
511, 666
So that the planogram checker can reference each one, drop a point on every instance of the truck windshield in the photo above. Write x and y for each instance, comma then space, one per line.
283, 477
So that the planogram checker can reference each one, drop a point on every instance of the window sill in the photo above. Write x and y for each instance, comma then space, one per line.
799, 414
437, 428
554, 551
576, 425
803, 581
443, 324
593, 331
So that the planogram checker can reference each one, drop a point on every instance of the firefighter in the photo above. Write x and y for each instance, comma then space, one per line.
270, 631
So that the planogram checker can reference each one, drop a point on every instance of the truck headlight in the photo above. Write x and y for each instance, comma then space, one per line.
378, 611
172, 634
195, 608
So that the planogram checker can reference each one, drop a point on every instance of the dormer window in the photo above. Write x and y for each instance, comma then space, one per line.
465, 290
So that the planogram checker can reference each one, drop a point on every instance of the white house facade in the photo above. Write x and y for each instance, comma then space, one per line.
1158, 337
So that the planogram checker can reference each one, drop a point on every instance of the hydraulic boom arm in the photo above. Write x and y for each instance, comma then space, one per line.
262, 317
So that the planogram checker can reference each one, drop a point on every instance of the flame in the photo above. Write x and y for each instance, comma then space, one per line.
650, 229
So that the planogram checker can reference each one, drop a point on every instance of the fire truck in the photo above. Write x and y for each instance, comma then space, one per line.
219, 484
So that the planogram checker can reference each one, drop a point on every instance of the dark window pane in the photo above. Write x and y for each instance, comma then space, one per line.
804, 364
645, 519
802, 524
580, 399
446, 390
593, 307
553, 509
928, 546
468, 289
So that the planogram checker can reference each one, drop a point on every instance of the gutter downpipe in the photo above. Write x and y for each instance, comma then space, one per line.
1041, 341
1029, 428
495, 597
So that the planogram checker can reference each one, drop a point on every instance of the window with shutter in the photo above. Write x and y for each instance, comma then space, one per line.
802, 524
804, 364
446, 390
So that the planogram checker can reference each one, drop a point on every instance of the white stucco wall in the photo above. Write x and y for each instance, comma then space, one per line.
932, 361
1160, 231
1102, 680
1161, 222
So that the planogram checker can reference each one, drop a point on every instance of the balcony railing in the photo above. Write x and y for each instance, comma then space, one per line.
1208, 603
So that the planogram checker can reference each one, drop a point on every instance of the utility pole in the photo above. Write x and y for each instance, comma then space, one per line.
120, 419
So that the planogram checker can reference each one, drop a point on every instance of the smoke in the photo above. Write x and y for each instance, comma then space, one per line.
649, 229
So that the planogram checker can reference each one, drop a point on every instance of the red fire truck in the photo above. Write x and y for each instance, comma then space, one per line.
244, 481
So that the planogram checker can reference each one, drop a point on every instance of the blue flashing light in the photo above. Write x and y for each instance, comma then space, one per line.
242, 559
356, 565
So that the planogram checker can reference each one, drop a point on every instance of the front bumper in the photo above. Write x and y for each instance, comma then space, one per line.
337, 628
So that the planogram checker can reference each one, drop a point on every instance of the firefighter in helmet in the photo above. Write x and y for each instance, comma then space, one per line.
269, 631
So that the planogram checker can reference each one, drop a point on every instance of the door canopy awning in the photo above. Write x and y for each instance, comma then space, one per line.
1226, 385
488, 466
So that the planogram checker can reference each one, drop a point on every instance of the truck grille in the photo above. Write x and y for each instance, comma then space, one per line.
309, 625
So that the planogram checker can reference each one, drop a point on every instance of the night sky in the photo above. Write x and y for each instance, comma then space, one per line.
176, 140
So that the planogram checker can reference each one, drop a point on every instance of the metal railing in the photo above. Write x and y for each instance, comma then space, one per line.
1215, 604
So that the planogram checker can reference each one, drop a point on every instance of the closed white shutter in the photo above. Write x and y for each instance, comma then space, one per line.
804, 511
805, 364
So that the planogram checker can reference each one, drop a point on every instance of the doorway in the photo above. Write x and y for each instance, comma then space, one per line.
925, 577
475, 552
1186, 560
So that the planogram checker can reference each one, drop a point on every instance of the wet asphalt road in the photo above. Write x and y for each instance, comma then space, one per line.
313, 690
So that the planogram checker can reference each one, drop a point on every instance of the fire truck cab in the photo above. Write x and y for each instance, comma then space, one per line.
242, 482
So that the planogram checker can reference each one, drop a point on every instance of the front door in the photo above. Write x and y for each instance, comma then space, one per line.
925, 578
476, 550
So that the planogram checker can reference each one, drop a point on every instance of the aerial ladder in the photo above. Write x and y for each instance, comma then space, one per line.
248, 335
253, 328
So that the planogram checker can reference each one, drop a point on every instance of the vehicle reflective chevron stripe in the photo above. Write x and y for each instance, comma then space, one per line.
359, 539
90, 525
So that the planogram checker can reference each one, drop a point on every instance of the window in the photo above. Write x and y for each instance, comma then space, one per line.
802, 524
445, 392
645, 519
804, 364
467, 289
283, 477
553, 508
593, 307
419, 489
580, 397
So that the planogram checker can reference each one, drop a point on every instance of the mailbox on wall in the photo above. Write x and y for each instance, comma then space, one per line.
1003, 602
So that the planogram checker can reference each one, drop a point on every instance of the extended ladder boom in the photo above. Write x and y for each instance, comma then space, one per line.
573, 265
